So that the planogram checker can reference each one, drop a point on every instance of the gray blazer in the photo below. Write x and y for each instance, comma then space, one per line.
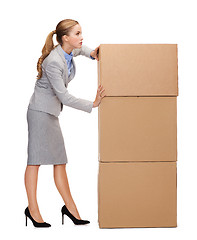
50, 92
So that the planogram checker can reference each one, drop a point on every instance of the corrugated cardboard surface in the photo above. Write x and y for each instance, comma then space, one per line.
137, 129
138, 69
142, 194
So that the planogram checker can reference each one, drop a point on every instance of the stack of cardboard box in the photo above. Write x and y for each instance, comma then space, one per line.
137, 129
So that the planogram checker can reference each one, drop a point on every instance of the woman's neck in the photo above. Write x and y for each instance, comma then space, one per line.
68, 49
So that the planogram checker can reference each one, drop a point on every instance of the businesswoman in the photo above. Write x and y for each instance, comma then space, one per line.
56, 68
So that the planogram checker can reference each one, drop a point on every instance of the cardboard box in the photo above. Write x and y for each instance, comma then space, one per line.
142, 194
138, 69
137, 129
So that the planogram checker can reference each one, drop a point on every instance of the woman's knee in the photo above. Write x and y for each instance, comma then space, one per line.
33, 167
60, 166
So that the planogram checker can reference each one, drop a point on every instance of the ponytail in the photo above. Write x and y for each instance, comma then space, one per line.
49, 45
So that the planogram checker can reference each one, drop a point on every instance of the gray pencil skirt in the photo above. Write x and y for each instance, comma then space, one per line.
45, 139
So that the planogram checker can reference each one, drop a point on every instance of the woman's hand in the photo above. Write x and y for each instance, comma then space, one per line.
95, 54
98, 98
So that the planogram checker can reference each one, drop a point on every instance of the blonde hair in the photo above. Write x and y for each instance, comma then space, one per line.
63, 28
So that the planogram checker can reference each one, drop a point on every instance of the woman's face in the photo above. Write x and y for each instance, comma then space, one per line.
75, 37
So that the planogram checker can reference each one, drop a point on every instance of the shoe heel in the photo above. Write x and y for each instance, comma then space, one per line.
36, 224
62, 218
74, 219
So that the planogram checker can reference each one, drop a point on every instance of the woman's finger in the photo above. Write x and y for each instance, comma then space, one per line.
101, 92
104, 95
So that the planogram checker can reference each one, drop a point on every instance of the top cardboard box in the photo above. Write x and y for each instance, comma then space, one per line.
138, 69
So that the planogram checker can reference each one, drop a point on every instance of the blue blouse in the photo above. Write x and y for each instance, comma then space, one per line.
68, 58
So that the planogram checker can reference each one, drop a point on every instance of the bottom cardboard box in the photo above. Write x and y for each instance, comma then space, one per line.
137, 194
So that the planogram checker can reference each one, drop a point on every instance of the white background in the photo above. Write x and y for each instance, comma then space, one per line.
24, 28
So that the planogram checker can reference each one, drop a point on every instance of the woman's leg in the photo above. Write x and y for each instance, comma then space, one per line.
61, 182
31, 178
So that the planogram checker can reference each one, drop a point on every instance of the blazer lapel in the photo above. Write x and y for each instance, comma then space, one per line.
65, 73
65, 70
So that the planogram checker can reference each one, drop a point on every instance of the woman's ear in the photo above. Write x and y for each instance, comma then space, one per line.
64, 38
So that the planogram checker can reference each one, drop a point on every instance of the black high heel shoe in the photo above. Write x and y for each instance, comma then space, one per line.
36, 224
74, 219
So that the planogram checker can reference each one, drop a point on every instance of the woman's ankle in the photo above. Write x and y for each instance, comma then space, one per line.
73, 209
35, 213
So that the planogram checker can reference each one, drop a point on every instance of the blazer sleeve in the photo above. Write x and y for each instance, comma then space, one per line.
54, 74
84, 50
